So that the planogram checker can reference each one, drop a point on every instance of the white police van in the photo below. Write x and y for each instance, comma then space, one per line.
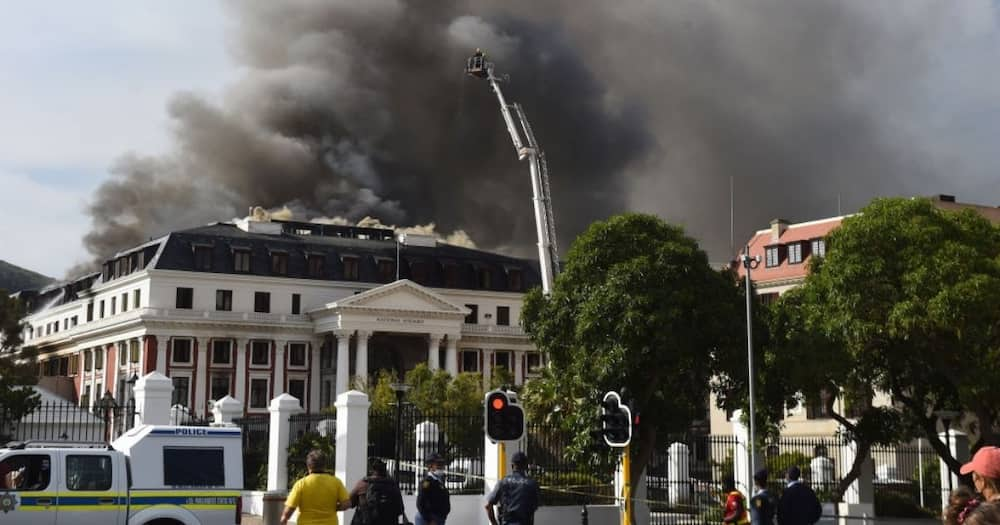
151, 475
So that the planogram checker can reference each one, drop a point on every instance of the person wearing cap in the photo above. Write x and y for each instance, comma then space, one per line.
985, 470
516, 494
433, 501
799, 504
761, 504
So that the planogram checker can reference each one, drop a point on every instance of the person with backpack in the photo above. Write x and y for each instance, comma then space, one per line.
799, 504
516, 494
762, 507
377, 498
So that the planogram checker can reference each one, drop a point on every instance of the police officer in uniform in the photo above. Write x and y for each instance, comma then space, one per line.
433, 501
517, 495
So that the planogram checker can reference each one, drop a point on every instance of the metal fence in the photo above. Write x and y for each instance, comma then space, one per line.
907, 481
255, 431
458, 437
695, 498
54, 421
563, 481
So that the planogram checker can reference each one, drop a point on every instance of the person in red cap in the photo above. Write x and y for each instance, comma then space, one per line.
985, 470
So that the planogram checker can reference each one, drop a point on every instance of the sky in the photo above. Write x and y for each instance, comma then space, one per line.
84, 83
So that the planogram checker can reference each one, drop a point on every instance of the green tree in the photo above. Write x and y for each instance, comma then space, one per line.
636, 307
906, 299
18, 371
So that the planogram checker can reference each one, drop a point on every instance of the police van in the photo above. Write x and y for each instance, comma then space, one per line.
151, 475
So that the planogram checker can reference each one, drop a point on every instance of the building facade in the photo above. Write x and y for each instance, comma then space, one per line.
255, 308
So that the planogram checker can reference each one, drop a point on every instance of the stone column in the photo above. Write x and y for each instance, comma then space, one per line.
279, 367
433, 351
361, 357
314, 381
518, 367
201, 377
152, 399
451, 354
110, 365
859, 498
352, 439
161, 353
959, 444
281, 408
240, 385
94, 394
487, 366
343, 360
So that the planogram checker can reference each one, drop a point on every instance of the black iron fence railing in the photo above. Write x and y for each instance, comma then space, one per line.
255, 432
684, 478
564, 481
55, 421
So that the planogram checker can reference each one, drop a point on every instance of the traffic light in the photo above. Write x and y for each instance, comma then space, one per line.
616, 421
504, 418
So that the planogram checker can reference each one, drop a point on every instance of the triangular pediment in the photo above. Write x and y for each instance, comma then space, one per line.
402, 295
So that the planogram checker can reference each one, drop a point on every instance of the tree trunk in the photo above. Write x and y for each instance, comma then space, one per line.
647, 441
864, 452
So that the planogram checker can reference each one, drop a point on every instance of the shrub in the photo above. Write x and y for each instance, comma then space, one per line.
298, 450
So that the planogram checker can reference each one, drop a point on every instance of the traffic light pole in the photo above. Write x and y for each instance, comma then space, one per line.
501, 460
627, 485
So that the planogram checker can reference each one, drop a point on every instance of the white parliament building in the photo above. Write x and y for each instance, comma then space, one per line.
258, 307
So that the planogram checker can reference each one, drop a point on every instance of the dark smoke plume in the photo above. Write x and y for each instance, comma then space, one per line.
352, 108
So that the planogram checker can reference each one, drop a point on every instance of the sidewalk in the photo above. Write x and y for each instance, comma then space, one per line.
251, 520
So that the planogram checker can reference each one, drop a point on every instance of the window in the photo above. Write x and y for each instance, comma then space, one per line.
816, 407
316, 263
386, 270
114, 307
326, 357
222, 353
451, 276
182, 391
241, 261
98, 360
819, 247
27, 472
260, 353
501, 360
122, 354
220, 386
101, 310
514, 280
771, 254
224, 300
88, 472
296, 304
534, 362
73, 321
297, 354
185, 298
194, 467
136, 298
74, 364
133, 351
795, 253
470, 361
473, 317
297, 389
203, 258
503, 315
258, 393
90, 312
279, 263
125, 302
181, 354
350, 268
85, 398
418, 272
262, 302
88, 361
485, 278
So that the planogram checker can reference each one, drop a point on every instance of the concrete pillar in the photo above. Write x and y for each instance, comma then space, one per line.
152, 399
314, 381
741, 456
959, 444
361, 358
343, 360
427, 440
859, 498
279, 367
487, 366
162, 342
201, 377
451, 354
433, 351
240, 385
352, 441
678, 473
225, 410
281, 408
518, 367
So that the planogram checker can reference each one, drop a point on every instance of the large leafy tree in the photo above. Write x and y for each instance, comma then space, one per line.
17, 371
637, 307
908, 294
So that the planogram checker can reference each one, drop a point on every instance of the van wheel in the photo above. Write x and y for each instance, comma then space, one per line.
163, 521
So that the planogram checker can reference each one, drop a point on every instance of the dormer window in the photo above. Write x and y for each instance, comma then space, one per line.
386, 270
514, 279
316, 263
484, 278
795, 253
418, 271
451, 276
772, 258
203, 258
241, 260
279, 263
819, 247
350, 267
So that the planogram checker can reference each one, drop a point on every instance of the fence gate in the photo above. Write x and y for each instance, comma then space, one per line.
255, 431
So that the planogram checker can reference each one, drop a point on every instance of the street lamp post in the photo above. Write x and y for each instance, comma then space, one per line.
947, 416
750, 263
400, 389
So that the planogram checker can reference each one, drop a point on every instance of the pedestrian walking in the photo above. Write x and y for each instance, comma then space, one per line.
985, 470
377, 498
762, 507
961, 503
317, 496
433, 501
516, 494
799, 504
735, 508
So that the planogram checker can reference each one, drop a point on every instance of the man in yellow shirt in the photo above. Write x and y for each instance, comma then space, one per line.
318, 496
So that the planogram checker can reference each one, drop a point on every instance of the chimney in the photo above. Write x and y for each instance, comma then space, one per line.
778, 227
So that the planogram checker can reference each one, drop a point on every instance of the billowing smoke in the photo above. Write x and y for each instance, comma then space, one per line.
355, 108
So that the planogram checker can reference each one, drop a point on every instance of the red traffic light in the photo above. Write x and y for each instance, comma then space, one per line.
498, 403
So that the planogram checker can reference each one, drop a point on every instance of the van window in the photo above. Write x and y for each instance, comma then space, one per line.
193, 467
25, 472
88, 472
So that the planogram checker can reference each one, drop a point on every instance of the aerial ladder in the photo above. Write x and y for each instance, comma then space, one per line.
548, 252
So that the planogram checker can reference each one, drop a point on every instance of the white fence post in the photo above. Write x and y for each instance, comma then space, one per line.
281, 408
678, 473
352, 441
225, 410
959, 443
741, 455
858, 502
152, 399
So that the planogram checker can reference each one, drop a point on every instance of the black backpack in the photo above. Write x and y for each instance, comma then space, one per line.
382, 502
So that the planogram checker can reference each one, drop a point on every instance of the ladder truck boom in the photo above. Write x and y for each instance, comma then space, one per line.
548, 254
